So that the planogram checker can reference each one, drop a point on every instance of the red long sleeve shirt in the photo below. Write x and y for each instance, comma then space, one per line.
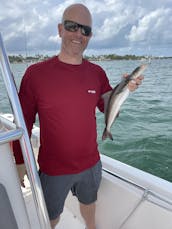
65, 97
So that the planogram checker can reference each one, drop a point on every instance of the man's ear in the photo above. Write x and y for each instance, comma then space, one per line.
60, 29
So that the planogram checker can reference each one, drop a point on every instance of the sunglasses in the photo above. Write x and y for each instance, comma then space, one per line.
72, 26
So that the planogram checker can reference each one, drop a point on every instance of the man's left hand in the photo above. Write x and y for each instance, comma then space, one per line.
134, 84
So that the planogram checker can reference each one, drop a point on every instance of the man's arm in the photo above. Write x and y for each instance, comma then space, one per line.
21, 169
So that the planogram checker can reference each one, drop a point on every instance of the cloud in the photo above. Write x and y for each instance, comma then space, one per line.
117, 24
153, 27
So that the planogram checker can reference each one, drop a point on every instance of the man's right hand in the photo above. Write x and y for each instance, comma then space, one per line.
21, 169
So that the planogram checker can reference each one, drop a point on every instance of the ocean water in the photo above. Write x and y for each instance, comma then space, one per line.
143, 131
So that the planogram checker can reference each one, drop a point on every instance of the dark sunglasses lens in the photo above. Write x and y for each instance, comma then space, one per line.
86, 30
73, 27
70, 26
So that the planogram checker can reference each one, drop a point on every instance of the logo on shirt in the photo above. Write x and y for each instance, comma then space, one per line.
92, 91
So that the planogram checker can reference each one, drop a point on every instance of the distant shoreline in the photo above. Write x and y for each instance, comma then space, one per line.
109, 57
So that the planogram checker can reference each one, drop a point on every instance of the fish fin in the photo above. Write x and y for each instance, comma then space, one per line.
107, 134
117, 114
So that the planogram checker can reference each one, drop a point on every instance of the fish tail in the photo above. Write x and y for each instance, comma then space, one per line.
107, 134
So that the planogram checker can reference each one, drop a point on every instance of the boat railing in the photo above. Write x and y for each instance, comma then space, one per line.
21, 133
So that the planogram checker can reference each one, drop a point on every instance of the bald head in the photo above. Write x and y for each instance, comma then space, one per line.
78, 13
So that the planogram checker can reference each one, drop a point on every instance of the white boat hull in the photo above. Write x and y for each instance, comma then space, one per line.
128, 197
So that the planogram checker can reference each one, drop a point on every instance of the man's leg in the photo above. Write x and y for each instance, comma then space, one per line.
88, 213
54, 222
86, 191
55, 190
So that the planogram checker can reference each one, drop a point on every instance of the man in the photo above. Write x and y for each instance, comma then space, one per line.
64, 91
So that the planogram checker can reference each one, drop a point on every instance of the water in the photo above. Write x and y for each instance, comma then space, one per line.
143, 132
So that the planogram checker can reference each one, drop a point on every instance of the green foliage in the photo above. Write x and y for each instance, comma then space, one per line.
38, 57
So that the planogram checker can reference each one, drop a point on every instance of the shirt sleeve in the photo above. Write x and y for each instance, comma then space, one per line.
105, 87
28, 105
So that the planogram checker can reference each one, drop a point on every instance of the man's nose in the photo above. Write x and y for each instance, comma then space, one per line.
79, 32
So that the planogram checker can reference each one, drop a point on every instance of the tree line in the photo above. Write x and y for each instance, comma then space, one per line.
38, 57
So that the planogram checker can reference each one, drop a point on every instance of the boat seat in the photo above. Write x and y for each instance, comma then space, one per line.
7, 218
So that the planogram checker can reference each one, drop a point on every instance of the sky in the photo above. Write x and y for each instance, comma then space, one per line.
136, 27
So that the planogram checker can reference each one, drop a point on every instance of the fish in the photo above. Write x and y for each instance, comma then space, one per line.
117, 97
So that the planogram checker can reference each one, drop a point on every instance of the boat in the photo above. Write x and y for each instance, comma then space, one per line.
128, 198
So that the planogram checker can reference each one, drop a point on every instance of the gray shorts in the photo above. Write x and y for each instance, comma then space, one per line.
83, 185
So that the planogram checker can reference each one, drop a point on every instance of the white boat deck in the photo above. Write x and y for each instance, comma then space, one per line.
69, 221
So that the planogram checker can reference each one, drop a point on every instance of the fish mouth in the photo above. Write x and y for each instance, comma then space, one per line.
144, 66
